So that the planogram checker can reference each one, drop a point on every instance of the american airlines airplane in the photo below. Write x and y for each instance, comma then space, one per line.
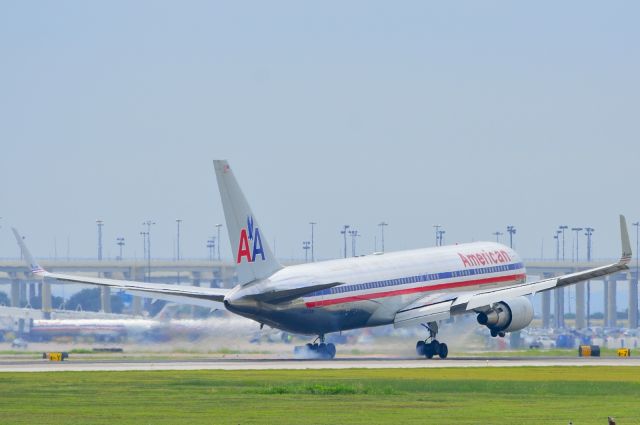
405, 288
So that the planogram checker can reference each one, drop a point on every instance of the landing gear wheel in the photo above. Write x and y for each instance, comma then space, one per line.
443, 351
431, 346
428, 352
322, 349
331, 350
434, 346
316, 350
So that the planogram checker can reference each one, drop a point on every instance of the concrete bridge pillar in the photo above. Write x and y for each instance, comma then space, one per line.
23, 288
105, 295
605, 309
45, 293
559, 308
136, 305
195, 277
31, 288
546, 309
633, 300
580, 305
136, 302
546, 304
15, 291
611, 303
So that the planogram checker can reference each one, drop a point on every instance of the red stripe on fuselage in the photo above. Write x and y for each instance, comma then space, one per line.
396, 292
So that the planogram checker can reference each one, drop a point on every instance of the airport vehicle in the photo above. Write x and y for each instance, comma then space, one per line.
404, 288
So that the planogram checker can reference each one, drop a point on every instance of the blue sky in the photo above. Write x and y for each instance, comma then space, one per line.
473, 115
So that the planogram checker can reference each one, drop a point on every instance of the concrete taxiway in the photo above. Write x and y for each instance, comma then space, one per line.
293, 364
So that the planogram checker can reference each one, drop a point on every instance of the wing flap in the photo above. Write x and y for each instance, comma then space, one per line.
424, 314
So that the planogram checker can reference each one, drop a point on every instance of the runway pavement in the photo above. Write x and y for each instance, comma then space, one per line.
338, 363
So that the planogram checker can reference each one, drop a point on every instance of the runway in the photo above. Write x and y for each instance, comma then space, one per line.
292, 364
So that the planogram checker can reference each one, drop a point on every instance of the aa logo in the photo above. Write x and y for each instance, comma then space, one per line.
246, 249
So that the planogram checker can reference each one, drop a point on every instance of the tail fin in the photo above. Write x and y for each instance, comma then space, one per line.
253, 257
626, 244
34, 267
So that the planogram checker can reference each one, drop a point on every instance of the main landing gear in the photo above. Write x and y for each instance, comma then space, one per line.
315, 350
430, 347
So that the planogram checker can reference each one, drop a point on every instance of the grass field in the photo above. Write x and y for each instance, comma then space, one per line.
554, 395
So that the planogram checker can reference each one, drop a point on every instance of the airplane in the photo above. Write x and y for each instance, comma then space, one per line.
404, 288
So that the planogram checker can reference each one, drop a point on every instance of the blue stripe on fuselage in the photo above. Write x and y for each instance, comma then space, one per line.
416, 279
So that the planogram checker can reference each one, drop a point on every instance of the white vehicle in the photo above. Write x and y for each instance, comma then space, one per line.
405, 288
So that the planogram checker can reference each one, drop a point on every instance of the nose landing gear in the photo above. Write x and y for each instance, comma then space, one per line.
431, 347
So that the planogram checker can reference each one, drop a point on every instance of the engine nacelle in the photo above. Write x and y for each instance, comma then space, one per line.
508, 316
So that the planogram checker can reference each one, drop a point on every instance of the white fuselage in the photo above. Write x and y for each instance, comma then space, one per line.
374, 287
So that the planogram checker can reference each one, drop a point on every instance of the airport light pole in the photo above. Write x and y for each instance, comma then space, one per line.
100, 223
511, 230
637, 224
354, 234
144, 250
149, 223
382, 225
218, 226
497, 234
306, 245
562, 229
313, 254
344, 232
178, 221
211, 245
120, 243
588, 233
21, 251
441, 237
557, 238
577, 229
437, 227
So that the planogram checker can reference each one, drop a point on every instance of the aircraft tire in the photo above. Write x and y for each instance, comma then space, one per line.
431, 349
443, 351
331, 350
434, 346
427, 351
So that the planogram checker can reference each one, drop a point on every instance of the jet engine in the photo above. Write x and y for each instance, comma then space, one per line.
507, 316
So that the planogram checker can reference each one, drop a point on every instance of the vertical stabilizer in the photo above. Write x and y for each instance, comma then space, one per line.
249, 246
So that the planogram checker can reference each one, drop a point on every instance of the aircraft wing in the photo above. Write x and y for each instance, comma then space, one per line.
428, 309
195, 295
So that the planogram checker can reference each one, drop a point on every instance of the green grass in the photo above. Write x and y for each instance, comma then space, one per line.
550, 395
19, 352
